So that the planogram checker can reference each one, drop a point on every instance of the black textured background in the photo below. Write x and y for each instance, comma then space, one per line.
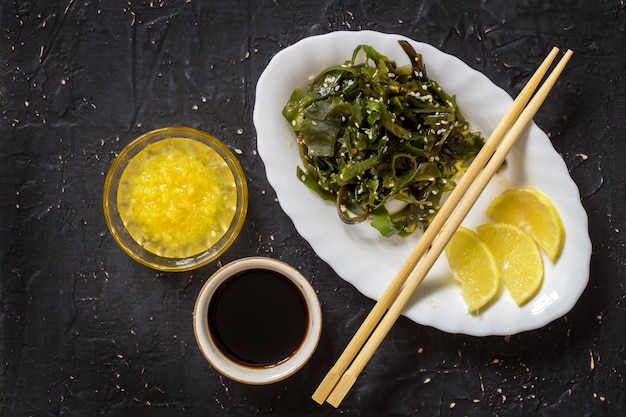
85, 331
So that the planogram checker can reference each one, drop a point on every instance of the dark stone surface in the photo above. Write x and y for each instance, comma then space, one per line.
86, 331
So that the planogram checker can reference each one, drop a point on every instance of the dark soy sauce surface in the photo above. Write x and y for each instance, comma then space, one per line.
258, 318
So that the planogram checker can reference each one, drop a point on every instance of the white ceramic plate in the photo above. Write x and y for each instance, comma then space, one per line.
359, 254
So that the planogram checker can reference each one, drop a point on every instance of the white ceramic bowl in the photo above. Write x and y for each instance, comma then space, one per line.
358, 253
248, 374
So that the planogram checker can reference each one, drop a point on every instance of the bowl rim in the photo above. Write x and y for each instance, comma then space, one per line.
123, 238
246, 374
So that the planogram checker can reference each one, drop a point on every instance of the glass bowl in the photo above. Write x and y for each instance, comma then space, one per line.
175, 198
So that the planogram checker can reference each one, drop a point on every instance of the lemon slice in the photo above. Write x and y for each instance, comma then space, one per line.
475, 268
533, 212
518, 256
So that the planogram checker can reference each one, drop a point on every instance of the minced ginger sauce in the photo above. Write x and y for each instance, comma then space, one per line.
177, 197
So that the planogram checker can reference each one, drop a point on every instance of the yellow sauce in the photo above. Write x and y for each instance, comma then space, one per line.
177, 197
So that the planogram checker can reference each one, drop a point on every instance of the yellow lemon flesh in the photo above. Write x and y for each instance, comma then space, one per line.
533, 212
518, 256
475, 268
177, 197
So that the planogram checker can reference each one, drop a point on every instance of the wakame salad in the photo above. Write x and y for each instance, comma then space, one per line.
384, 142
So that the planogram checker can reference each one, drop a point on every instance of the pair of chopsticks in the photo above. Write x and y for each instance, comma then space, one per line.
335, 386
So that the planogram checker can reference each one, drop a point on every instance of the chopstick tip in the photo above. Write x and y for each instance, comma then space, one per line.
341, 390
325, 387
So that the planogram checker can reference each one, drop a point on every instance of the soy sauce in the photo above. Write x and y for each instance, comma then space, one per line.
258, 318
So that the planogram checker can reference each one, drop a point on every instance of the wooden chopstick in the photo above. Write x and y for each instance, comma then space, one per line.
349, 377
333, 391
392, 291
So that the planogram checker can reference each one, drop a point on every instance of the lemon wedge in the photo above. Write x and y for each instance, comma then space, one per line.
533, 212
474, 267
518, 256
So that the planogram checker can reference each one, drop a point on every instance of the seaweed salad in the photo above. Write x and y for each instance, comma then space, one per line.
383, 142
